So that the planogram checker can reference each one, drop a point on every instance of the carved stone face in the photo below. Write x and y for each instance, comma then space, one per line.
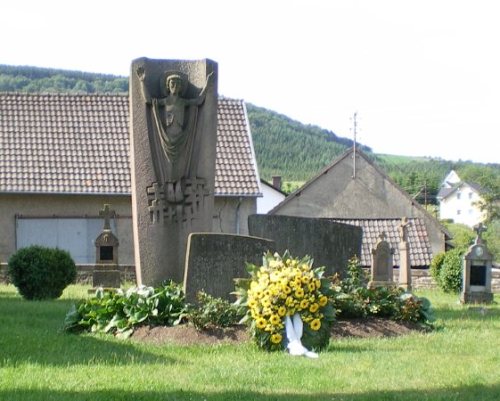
174, 85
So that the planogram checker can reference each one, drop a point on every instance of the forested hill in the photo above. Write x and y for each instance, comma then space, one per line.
35, 79
288, 148
283, 146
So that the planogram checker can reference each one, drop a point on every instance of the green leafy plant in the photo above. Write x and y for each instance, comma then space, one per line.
119, 312
211, 312
40, 272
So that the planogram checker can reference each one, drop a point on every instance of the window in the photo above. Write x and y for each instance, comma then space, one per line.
459, 195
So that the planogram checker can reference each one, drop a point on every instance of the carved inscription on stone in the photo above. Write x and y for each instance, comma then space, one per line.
162, 211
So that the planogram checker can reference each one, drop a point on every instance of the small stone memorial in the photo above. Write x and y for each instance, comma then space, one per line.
476, 278
173, 107
382, 264
214, 261
404, 256
106, 273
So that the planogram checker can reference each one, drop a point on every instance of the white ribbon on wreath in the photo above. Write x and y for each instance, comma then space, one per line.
294, 328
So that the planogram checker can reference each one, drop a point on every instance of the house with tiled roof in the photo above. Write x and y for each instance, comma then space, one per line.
459, 201
354, 190
63, 156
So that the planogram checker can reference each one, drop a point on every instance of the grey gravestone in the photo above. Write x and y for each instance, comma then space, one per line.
477, 264
173, 139
329, 243
382, 264
213, 261
404, 256
106, 273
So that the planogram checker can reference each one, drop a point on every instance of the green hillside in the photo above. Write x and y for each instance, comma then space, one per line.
288, 148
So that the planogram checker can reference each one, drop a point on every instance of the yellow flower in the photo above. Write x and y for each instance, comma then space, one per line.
289, 301
323, 300
275, 319
304, 304
313, 308
260, 323
318, 283
282, 311
252, 303
276, 338
311, 286
287, 289
274, 277
315, 324
305, 280
299, 293
274, 264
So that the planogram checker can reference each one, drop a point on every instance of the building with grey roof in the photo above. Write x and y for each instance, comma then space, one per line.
62, 156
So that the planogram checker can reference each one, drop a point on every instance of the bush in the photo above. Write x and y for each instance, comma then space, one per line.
351, 299
450, 274
214, 312
41, 273
436, 265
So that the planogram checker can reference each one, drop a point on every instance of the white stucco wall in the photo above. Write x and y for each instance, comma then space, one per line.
270, 198
461, 208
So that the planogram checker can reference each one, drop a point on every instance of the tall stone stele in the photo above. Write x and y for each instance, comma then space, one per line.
404, 256
173, 109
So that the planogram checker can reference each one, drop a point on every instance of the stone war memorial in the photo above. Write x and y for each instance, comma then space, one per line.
173, 109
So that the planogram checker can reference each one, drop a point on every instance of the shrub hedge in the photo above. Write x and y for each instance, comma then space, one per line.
40, 272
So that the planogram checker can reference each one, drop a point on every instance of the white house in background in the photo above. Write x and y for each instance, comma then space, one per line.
272, 195
458, 201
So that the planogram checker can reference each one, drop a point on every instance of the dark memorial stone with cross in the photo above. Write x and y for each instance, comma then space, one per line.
477, 264
173, 136
106, 273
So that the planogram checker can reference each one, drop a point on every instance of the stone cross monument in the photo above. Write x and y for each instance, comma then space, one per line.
404, 256
106, 273
173, 137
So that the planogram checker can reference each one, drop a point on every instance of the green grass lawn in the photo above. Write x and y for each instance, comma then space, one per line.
460, 360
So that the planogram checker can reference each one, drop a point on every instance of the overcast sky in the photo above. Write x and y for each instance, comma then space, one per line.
423, 76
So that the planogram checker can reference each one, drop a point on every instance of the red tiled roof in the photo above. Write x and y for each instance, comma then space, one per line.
235, 165
420, 248
73, 143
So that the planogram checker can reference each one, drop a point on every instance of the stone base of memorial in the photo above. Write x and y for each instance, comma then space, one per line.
377, 284
106, 277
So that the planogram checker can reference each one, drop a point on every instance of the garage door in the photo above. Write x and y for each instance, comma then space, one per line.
75, 235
